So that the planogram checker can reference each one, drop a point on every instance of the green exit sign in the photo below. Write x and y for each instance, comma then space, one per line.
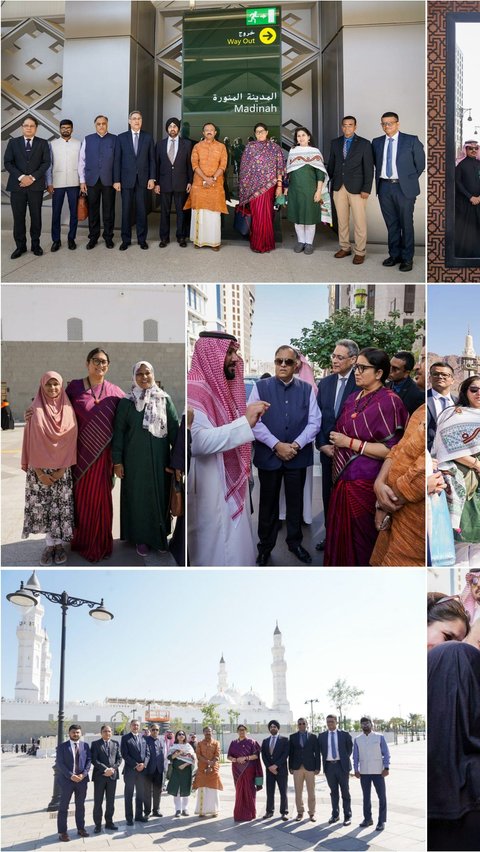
260, 17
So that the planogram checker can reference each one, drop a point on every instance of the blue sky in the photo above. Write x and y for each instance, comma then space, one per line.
171, 627
281, 311
451, 308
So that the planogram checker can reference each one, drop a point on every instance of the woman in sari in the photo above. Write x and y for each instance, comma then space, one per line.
244, 755
447, 619
182, 759
308, 197
145, 428
95, 402
262, 168
371, 423
457, 450
48, 452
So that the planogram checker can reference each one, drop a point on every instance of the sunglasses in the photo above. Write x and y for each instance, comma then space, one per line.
289, 362
474, 388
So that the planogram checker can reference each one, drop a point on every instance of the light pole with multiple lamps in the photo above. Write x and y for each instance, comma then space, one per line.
311, 701
26, 596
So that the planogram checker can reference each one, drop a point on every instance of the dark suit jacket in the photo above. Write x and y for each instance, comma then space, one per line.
356, 172
411, 395
101, 762
174, 178
127, 167
308, 756
155, 761
432, 418
326, 402
345, 748
280, 753
17, 164
410, 162
133, 754
64, 764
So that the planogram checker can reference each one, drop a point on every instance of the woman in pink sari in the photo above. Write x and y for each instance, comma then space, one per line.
244, 755
262, 168
371, 423
95, 402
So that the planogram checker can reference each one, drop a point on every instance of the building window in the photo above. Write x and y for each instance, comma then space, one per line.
74, 329
409, 299
150, 331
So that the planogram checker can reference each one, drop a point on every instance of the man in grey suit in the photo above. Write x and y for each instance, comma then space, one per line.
106, 759
27, 160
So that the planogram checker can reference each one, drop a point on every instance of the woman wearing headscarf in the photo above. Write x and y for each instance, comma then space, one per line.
262, 169
48, 452
146, 426
182, 760
447, 619
308, 197
467, 201
244, 755
454, 748
457, 450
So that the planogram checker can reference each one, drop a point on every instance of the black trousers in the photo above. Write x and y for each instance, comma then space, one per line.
397, 212
327, 484
103, 787
179, 199
68, 788
136, 196
281, 779
337, 779
20, 199
454, 835
134, 783
268, 510
153, 790
106, 196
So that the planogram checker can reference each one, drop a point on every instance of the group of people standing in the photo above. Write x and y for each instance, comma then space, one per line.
77, 440
373, 456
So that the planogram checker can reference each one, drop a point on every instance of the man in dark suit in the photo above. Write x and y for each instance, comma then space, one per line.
136, 756
275, 751
133, 174
438, 396
401, 365
399, 162
333, 390
72, 767
154, 773
350, 168
106, 759
173, 156
27, 160
95, 170
336, 747
304, 765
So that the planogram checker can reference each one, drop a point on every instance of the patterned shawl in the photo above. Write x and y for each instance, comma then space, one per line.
469, 602
303, 155
222, 401
457, 435
262, 164
152, 401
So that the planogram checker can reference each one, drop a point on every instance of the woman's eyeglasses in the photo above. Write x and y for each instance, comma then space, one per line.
360, 368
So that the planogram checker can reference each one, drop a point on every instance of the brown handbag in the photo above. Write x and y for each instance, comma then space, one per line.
176, 497
82, 207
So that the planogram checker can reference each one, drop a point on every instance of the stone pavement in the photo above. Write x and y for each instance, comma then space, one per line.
235, 262
27, 786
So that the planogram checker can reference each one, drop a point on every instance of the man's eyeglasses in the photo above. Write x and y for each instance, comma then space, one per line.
360, 368
389, 123
441, 375
334, 357
289, 362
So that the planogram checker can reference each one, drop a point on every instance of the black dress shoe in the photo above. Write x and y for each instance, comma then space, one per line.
301, 554
18, 253
392, 261
380, 826
284, 818
143, 245
56, 245
333, 819
157, 814
72, 245
366, 823
97, 829
406, 266
91, 244
267, 816
298, 817
124, 246
141, 819
313, 818
163, 243
321, 544
108, 243
347, 821
262, 559
111, 826
182, 243
82, 832
37, 251
129, 821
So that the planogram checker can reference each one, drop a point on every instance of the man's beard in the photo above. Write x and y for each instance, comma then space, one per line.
229, 373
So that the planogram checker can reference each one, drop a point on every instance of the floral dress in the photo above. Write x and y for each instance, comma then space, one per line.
49, 508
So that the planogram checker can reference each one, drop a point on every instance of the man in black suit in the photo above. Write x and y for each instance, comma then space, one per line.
333, 391
133, 174
154, 773
173, 156
72, 766
336, 747
275, 750
304, 765
438, 396
136, 756
401, 365
106, 759
27, 160
350, 168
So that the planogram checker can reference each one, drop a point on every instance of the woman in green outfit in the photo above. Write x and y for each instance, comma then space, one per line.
181, 757
146, 425
308, 198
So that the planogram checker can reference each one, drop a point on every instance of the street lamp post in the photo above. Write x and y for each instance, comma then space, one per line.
26, 596
311, 701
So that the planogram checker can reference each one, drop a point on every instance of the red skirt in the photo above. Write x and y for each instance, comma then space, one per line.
262, 238
351, 533
92, 496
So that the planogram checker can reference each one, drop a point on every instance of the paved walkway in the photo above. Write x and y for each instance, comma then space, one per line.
235, 262
26, 825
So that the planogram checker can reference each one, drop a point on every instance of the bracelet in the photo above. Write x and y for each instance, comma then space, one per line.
364, 444
350, 446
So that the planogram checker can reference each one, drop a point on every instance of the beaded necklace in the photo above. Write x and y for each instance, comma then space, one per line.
368, 396
102, 389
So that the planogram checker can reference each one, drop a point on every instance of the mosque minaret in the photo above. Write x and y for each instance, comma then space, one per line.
279, 672
34, 658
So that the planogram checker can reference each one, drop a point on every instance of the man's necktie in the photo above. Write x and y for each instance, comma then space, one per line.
107, 749
28, 149
171, 151
340, 393
345, 149
332, 745
135, 143
76, 763
444, 402
389, 168
272, 745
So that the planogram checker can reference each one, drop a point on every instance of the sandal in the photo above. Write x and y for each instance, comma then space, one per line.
47, 556
60, 556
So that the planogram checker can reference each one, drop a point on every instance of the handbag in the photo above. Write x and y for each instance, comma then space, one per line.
242, 221
169, 771
176, 498
442, 545
82, 207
